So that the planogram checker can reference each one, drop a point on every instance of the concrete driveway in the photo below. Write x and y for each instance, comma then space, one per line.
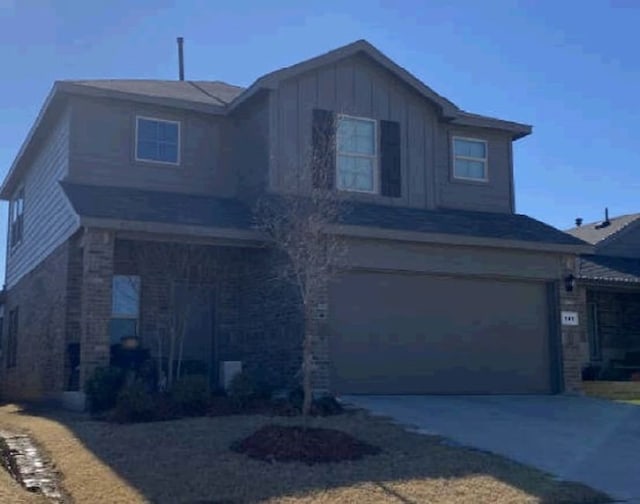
592, 441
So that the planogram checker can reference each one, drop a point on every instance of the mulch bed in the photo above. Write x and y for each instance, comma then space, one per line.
280, 443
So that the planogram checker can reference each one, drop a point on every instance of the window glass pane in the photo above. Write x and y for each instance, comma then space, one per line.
125, 295
469, 148
122, 328
168, 152
356, 136
355, 173
147, 130
168, 132
147, 150
469, 169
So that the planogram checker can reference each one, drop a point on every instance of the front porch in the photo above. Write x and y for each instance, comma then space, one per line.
185, 308
613, 329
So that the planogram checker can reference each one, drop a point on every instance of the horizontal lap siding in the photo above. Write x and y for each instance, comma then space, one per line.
48, 217
103, 149
494, 195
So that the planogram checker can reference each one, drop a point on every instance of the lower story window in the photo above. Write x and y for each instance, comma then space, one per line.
125, 308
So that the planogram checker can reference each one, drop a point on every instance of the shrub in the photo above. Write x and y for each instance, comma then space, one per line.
296, 398
190, 394
102, 388
326, 406
134, 404
242, 388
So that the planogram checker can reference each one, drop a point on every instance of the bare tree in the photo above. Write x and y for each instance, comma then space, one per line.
184, 266
299, 227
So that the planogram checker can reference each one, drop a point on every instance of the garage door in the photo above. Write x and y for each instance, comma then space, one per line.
418, 334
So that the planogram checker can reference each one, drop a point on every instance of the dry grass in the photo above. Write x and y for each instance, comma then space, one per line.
188, 461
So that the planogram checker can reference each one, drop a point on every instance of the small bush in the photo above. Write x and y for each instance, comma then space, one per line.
242, 388
134, 404
102, 388
326, 406
296, 398
191, 395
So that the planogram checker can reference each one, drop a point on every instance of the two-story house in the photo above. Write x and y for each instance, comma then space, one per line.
609, 293
448, 289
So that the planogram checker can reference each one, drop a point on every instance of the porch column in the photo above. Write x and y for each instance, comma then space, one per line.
574, 337
97, 273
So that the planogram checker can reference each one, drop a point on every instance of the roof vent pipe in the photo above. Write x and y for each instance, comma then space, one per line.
578, 221
180, 58
606, 215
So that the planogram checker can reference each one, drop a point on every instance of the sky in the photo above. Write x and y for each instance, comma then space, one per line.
569, 68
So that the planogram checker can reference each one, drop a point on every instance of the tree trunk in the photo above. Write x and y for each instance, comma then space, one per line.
307, 365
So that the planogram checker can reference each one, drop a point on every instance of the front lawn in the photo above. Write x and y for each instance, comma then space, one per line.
190, 461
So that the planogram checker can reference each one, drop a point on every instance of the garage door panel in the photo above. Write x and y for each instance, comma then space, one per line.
395, 333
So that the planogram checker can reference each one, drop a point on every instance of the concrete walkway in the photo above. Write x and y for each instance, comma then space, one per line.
592, 441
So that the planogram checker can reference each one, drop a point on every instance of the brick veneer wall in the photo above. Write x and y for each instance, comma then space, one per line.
95, 295
257, 317
42, 302
574, 338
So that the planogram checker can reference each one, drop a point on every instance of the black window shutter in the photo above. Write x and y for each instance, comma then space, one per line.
323, 163
390, 159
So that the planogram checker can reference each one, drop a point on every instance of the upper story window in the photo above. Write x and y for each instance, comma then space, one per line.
356, 154
469, 159
16, 212
157, 140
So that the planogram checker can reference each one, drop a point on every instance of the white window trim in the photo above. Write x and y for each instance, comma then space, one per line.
484, 160
155, 161
375, 156
11, 212
115, 315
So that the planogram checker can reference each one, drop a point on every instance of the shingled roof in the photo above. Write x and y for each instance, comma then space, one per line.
596, 232
209, 92
128, 204
609, 269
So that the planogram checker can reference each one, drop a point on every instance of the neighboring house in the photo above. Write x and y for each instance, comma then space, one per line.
608, 285
448, 291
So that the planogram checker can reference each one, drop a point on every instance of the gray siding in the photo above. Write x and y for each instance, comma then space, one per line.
48, 217
625, 244
442, 259
357, 87
250, 146
495, 195
103, 149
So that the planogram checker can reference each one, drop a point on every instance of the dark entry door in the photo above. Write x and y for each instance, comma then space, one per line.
195, 307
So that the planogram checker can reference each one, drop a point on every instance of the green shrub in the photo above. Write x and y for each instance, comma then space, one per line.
102, 388
134, 404
190, 395
326, 406
242, 388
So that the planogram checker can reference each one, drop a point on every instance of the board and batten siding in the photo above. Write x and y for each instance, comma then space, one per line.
354, 86
48, 217
357, 86
103, 143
